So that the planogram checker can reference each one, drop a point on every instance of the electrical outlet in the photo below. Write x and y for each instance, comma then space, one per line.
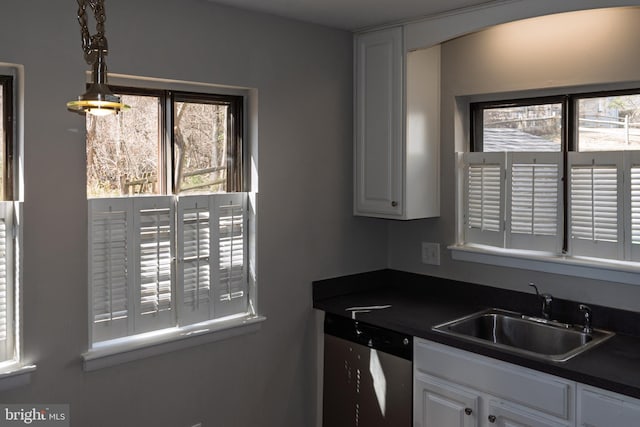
431, 253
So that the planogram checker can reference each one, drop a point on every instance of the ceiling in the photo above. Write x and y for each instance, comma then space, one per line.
353, 14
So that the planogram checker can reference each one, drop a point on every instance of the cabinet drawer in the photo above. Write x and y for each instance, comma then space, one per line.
599, 408
542, 392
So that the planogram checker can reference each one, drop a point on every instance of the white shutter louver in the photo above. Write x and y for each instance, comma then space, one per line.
595, 222
594, 200
154, 224
195, 260
6, 280
231, 286
4, 321
109, 255
484, 197
534, 202
635, 208
632, 208
484, 191
133, 267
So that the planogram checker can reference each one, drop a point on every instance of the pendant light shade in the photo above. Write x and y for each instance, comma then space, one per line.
98, 99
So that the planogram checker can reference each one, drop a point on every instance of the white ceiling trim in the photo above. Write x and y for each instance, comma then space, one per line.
356, 15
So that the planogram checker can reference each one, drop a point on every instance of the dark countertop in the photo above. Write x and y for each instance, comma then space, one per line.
420, 302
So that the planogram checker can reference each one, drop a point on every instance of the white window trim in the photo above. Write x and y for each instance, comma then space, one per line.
17, 372
135, 347
590, 268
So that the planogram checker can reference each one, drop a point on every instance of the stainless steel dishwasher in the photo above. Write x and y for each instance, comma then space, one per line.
367, 375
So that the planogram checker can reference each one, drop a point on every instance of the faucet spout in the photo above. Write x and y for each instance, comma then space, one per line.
547, 299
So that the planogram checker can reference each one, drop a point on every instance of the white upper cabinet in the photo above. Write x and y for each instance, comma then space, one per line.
397, 127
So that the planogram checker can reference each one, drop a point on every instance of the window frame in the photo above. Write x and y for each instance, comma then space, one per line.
162, 180
135, 346
563, 262
235, 155
167, 162
7, 83
477, 108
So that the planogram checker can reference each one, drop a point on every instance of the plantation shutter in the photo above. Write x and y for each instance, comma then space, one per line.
153, 239
110, 254
230, 292
632, 191
7, 223
484, 198
133, 269
534, 201
195, 260
596, 204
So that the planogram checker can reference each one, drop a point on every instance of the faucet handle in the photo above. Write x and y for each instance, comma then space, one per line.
588, 317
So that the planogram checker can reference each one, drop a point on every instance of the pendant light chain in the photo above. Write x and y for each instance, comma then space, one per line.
91, 44
98, 100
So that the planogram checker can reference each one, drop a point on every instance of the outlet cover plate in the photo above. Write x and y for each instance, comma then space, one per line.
431, 253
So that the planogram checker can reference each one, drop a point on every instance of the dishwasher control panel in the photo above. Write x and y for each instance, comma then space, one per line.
382, 339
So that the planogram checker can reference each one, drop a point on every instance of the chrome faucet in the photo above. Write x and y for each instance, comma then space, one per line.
547, 299
588, 317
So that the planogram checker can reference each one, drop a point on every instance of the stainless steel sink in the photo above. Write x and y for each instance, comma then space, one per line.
531, 336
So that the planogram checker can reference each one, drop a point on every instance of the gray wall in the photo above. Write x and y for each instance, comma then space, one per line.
559, 51
303, 74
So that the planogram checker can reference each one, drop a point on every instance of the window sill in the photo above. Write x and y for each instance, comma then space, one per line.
122, 350
13, 374
592, 268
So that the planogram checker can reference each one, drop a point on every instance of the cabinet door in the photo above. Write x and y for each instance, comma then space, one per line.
379, 124
501, 414
437, 403
599, 408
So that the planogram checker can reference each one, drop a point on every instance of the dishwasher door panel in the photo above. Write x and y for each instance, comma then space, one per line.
364, 387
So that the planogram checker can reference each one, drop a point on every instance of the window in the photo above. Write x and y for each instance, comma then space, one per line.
557, 175
168, 143
168, 214
9, 211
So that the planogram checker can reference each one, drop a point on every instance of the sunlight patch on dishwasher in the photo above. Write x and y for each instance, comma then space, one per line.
379, 381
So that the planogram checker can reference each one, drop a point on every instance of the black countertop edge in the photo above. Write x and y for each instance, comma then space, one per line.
420, 302
525, 301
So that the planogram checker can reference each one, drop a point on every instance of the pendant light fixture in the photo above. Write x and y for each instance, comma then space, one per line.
98, 99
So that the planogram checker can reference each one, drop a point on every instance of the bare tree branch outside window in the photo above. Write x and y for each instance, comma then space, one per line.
126, 153
123, 149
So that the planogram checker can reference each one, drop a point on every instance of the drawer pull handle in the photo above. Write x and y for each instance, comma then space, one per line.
492, 419
394, 204
468, 411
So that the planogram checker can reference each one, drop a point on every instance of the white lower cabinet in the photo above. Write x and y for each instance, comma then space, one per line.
455, 388
600, 408
438, 403
503, 414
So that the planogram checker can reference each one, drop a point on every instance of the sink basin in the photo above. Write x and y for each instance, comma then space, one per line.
521, 334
